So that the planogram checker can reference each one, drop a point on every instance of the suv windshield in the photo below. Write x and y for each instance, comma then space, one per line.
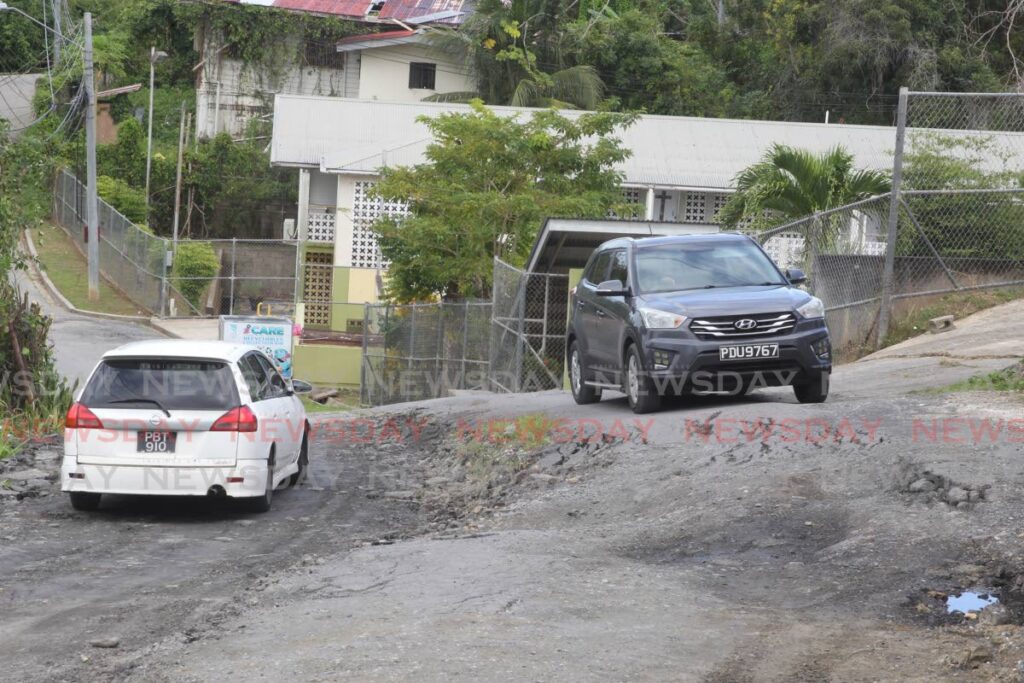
703, 265
160, 383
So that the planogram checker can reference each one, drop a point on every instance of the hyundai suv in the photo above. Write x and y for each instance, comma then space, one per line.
696, 313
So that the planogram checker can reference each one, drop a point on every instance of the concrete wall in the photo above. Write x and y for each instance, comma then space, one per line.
246, 91
384, 74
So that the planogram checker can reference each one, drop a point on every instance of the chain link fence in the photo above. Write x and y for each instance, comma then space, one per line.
418, 351
953, 222
528, 329
212, 277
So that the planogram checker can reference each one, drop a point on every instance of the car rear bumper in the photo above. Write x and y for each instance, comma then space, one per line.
164, 481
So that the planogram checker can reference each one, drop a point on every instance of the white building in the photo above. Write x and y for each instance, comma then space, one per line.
395, 65
681, 169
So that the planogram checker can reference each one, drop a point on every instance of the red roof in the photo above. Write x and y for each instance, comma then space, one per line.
410, 9
347, 8
391, 9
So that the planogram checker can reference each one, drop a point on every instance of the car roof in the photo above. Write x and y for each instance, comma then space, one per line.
181, 348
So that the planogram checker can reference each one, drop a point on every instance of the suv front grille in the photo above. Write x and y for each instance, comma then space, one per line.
731, 326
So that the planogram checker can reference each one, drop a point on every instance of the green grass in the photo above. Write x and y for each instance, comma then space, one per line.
1009, 379
347, 399
958, 304
68, 271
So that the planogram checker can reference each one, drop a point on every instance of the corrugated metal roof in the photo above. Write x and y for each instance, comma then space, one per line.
360, 136
408, 9
428, 11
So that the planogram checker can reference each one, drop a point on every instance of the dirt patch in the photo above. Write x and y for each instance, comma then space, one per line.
928, 487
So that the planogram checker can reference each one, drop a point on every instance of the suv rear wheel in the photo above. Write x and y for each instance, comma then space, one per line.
814, 390
582, 393
643, 398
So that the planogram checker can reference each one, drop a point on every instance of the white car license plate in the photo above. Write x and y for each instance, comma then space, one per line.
156, 442
748, 351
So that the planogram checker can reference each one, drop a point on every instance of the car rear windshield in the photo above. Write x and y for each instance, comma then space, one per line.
171, 384
703, 265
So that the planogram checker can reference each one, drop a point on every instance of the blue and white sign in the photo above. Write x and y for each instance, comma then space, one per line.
272, 336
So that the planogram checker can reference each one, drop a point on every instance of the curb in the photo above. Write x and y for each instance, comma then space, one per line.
63, 302
159, 327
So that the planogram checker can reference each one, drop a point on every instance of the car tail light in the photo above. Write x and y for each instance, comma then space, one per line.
80, 417
240, 419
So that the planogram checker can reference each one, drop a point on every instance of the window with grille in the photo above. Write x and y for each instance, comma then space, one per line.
718, 202
365, 210
316, 288
322, 54
694, 207
422, 75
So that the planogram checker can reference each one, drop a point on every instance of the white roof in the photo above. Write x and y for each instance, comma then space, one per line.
180, 348
349, 136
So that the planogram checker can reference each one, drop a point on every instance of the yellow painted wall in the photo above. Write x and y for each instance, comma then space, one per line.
327, 364
362, 285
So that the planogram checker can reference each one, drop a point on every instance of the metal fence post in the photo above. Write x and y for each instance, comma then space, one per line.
885, 311
231, 283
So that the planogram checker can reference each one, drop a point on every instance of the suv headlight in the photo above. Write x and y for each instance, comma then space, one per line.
812, 309
661, 320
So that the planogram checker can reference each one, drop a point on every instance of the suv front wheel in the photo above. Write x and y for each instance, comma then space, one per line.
814, 390
643, 398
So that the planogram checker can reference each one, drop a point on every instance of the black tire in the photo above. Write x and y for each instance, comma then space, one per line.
300, 476
262, 503
581, 393
640, 390
814, 390
85, 501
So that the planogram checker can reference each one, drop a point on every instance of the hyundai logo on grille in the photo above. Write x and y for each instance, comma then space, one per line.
745, 324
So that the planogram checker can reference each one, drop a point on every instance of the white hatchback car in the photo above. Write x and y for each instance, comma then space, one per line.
185, 418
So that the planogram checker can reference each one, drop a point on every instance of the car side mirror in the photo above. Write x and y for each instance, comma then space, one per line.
300, 387
796, 276
612, 288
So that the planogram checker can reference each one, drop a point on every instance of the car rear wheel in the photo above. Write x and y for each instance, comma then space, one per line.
643, 397
582, 393
262, 503
85, 501
814, 390
300, 476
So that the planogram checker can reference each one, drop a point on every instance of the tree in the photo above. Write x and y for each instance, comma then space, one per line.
487, 185
514, 49
793, 183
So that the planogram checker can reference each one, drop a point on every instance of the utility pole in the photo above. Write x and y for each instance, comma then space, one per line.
91, 217
177, 184
58, 37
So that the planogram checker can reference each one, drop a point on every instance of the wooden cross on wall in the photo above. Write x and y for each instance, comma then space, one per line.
662, 196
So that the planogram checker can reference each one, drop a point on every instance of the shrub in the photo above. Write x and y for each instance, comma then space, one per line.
123, 197
195, 265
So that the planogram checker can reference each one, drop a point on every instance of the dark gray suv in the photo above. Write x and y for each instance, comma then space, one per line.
694, 313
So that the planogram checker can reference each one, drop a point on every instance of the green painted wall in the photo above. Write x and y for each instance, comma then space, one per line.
327, 364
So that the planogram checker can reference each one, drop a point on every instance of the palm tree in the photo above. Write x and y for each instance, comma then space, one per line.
792, 183
513, 48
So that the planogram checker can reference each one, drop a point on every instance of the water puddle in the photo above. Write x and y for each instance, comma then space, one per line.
970, 601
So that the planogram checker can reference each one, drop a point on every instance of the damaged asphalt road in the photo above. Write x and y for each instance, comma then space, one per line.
525, 537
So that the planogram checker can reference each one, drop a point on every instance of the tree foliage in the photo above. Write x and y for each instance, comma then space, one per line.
486, 185
792, 183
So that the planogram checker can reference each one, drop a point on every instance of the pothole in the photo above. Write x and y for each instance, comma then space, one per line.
970, 601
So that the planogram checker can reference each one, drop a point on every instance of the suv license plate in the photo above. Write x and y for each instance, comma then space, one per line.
156, 442
748, 351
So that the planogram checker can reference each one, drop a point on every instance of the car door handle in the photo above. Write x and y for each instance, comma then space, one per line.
600, 313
